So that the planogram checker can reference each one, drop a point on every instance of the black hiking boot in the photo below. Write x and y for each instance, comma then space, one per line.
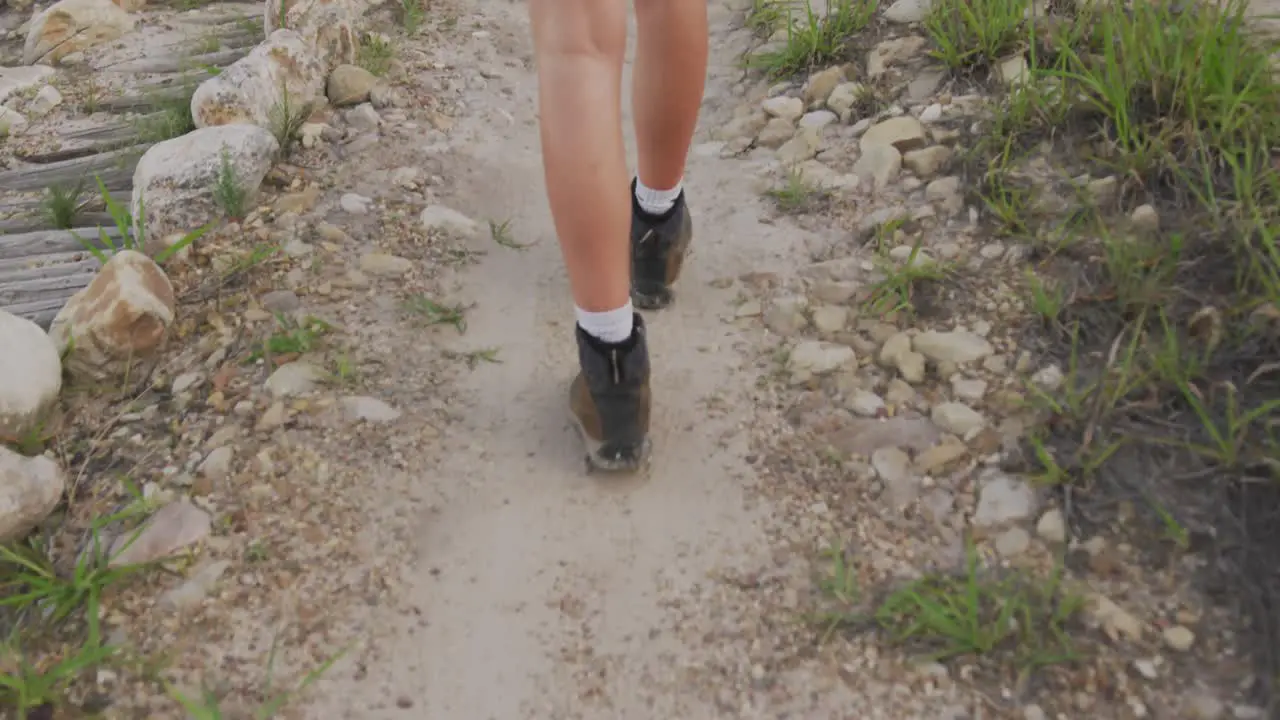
658, 247
609, 400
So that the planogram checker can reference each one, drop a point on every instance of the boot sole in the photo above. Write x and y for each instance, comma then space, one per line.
609, 465
652, 300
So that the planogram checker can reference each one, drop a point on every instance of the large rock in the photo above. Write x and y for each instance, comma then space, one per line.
957, 346
252, 90
70, 26
173, 528
327, 26
30, 489
350, 85
30, 376
110, 330
173, 183
904, 133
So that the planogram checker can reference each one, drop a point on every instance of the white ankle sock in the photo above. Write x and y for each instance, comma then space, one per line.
611, 326
656, 202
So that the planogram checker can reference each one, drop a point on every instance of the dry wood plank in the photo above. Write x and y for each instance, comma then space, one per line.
224, 14
49, 266
115, 168
91, 141
34, 221
36, 289
106, 133
36, 244
40, 312
75, 151
150, 98
176, 63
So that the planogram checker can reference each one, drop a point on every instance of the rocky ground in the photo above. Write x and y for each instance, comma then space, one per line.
886, 482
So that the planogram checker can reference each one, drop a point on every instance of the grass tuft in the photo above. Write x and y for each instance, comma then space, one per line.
811, 40
228, 192
61, 204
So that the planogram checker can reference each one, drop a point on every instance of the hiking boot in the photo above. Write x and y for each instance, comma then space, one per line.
609, 400
658, 247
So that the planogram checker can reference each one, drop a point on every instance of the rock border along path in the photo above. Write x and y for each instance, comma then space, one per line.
287, 68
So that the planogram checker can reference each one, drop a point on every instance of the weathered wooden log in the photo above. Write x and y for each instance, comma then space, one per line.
47, 266
151, 99
35, 221
177, 63
115, 168
50, 242
36, 289
42, 312
224, 14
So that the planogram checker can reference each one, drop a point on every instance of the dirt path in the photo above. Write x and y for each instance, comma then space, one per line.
540, 591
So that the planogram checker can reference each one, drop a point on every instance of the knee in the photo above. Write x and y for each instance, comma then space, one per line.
588, 28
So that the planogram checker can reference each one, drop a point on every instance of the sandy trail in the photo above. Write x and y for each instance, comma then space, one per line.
544, 592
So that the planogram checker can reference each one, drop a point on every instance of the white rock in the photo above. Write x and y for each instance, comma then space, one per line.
958, 347
30, 488
866, 403
957, 418
968, 389
384, 265
47, 98
802, 146
1013, 542
295, 378
406, 177
894, 347
172, 528
69, 26
830, 319
907, 11
1052, 527
354, 204
844, 97
926, 163
896, 51
931, 114
369, 409
1034, 712
448, 220
1114, 620
30, 376
1003, 499
253, 89
1014, 70
903, 132
787, 108
217, 464
364, 118
879, 165
819, 358
1179, 638
818, 119
175, 179
1048, 378
910, 365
